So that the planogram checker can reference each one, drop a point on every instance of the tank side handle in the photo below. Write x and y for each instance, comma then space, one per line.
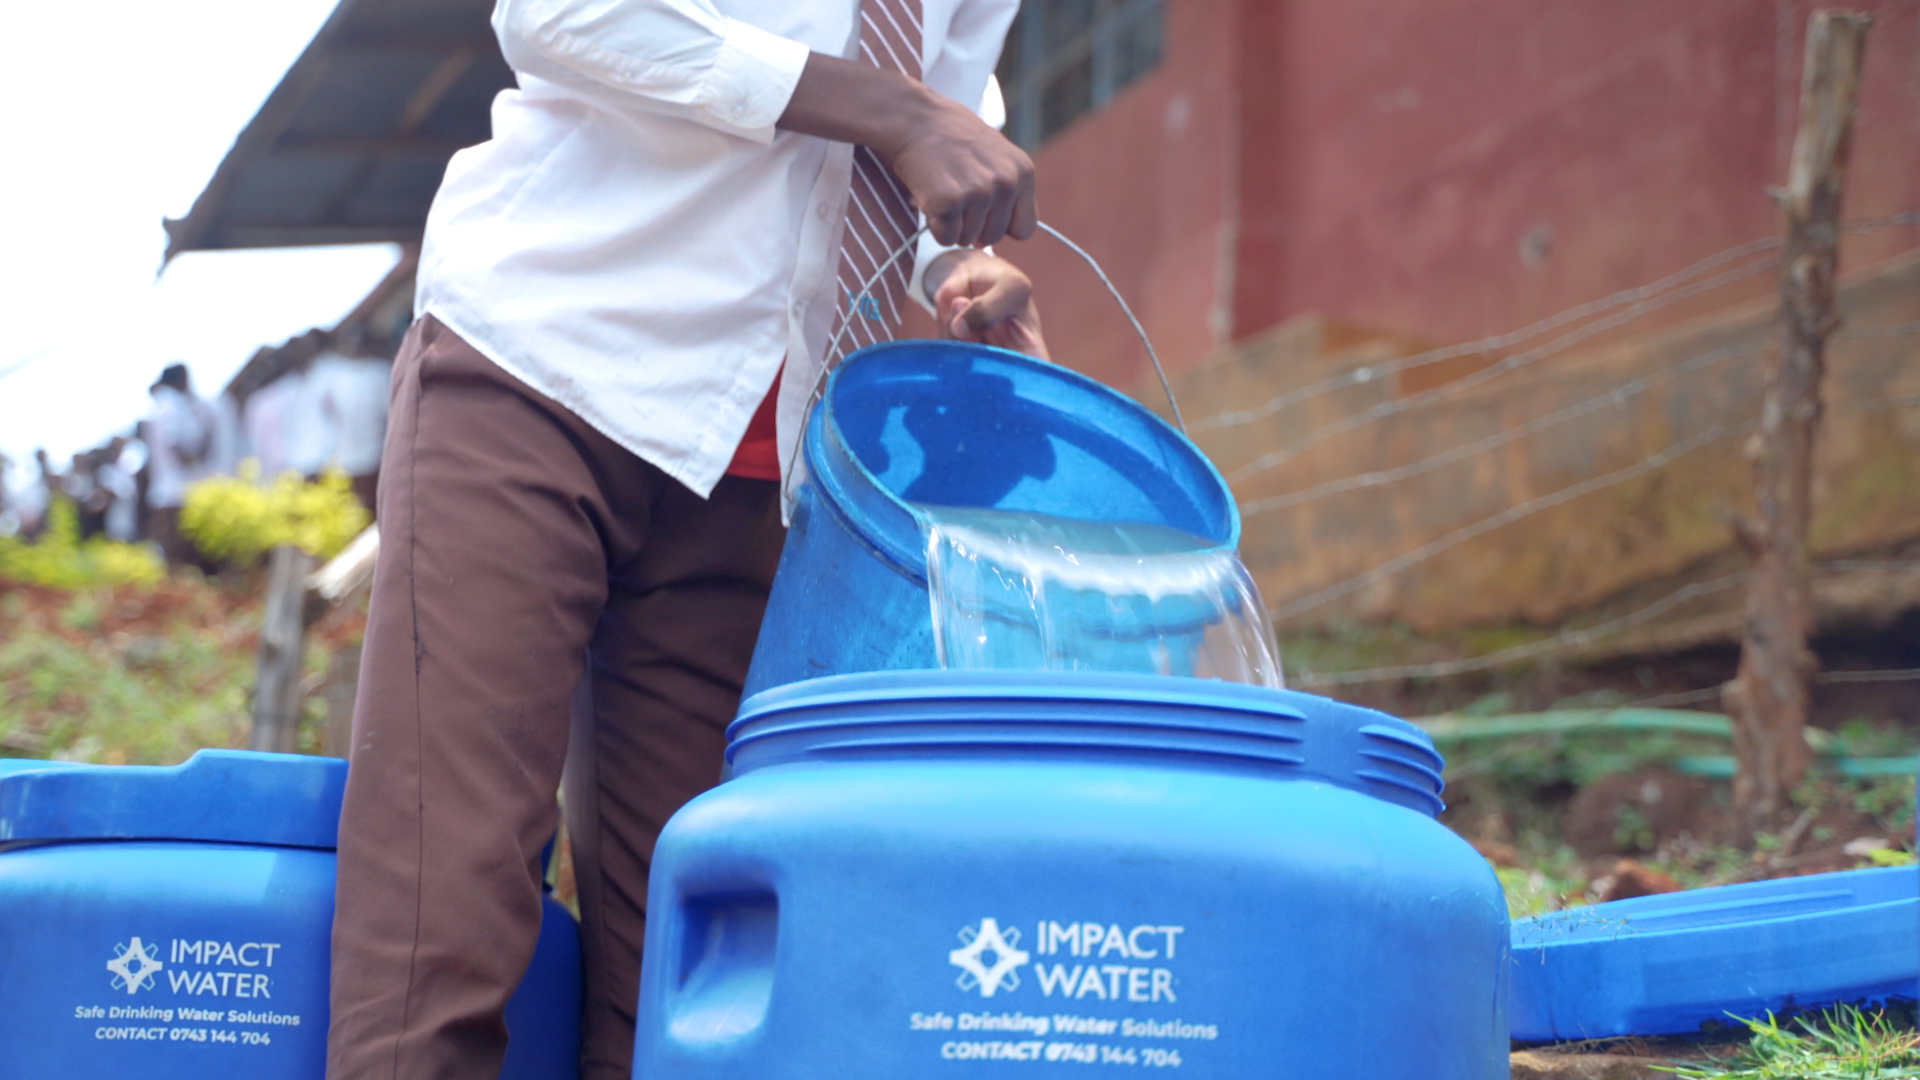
722, 965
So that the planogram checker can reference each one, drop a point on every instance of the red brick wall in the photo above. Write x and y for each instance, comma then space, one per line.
1147, 186
1381, 161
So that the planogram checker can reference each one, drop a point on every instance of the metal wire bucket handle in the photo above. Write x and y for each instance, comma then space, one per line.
912, 241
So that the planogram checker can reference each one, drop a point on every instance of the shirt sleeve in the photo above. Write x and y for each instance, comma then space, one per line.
677, 57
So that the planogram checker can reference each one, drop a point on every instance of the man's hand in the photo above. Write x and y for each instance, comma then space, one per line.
984, 298
974, 186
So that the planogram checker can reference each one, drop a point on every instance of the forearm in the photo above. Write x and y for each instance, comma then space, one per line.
971, 184
857, 103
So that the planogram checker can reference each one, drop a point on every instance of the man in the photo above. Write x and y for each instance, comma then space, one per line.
40, 497
181, 440
94, 482
625, 301
345, 395
37, 499
116, 479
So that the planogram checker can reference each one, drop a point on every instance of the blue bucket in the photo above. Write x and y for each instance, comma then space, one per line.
954, 424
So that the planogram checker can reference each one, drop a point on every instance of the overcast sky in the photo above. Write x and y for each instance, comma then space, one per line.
116, 114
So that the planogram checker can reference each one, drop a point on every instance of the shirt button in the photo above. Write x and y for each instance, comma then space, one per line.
821, 211
739, 110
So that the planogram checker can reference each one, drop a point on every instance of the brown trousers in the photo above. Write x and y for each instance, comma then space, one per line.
517, 544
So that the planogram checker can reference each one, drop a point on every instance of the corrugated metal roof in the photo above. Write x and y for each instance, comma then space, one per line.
351, 145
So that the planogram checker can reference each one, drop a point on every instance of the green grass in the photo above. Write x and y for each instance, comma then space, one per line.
154, 700
131, 675
1551, 877
1842, 1043
134, 674
1535, 891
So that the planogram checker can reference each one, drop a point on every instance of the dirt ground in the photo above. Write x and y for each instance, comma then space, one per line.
141, 674
1685, 679
1590, 818
227, 609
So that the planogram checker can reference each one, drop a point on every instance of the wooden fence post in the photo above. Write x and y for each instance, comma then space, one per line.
1768, 697
277, 700
343, 679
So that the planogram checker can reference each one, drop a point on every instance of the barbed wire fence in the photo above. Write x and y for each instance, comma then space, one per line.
1503, 355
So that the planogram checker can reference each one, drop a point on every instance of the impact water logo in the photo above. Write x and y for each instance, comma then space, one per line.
133, 966
1114, 963
989, 958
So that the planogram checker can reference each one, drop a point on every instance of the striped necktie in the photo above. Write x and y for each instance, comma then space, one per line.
880, 216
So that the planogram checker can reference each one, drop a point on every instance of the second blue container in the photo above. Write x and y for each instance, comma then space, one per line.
176, 924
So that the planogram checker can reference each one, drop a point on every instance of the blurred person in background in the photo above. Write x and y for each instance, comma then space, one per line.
78, 486
330, 417
9, 513
269, 420
93, 485
182, 435
229, 436
351, 392
38, 496
115, 477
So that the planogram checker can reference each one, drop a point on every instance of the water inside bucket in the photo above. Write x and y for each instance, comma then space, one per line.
1023, 590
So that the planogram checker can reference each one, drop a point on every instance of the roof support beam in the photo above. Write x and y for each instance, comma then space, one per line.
364, 43
337, 145
238, 237
420, 105
432, 90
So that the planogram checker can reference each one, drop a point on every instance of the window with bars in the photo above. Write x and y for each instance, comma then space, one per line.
1066, 58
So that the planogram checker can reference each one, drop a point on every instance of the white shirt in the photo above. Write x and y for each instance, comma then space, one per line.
637, 242
267, 418
348, 398
117, 477
181, 440
223, 459
306, 432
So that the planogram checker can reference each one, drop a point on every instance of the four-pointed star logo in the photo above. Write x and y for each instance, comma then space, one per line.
133, 966
988, 958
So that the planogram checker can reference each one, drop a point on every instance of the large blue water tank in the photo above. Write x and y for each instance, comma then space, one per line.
945, 873
175, 924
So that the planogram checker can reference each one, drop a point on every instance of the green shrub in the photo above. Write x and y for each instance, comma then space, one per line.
61, 560
234, 519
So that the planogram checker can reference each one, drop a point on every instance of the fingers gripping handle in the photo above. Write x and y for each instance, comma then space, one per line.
911, 242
